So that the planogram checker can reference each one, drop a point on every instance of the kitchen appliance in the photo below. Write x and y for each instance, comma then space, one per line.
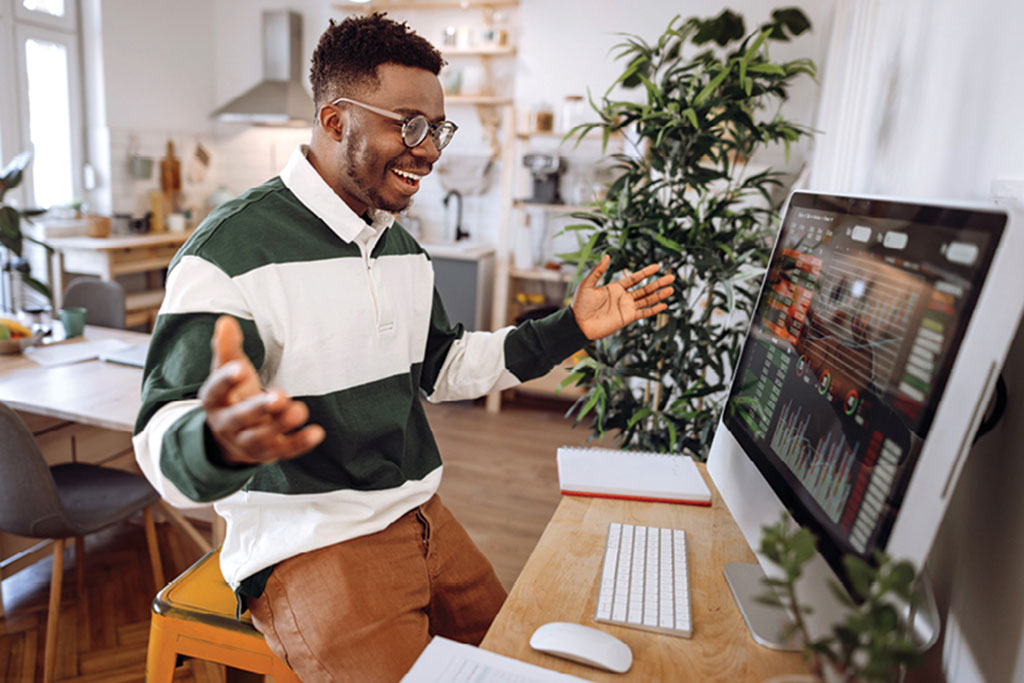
280, 99
546, 170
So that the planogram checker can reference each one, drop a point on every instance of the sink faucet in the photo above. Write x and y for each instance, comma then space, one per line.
459, 232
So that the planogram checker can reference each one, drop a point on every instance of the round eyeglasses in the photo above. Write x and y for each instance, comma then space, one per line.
414, 128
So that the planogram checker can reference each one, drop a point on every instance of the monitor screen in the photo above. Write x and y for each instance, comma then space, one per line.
859, 321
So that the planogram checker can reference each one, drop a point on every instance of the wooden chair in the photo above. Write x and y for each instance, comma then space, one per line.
65, 501
194, 616
103, 301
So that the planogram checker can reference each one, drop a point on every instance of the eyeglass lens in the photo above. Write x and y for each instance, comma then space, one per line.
415, 131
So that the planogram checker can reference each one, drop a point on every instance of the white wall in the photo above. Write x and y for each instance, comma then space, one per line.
167, 65
923, 98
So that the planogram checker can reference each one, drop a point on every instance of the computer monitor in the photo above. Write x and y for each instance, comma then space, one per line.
875, 344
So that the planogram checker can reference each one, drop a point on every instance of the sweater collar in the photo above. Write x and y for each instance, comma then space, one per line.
305, 183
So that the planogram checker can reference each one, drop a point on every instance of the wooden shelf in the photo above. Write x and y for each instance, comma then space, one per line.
543, 274
428, 5
504, 51
487, 100
565, 208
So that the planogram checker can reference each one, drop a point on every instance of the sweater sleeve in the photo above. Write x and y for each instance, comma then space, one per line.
172, 444
461, 365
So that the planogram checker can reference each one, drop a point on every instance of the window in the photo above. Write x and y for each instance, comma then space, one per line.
45, 113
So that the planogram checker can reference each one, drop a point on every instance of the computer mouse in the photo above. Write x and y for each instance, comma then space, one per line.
583, 644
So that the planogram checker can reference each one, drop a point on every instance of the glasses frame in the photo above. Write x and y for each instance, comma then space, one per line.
433, 129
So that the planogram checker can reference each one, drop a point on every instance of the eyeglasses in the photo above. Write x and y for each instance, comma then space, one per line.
414, 128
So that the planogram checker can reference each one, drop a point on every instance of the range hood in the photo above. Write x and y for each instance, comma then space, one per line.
280, 99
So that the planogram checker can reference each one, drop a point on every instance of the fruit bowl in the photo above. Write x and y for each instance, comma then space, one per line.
19, 344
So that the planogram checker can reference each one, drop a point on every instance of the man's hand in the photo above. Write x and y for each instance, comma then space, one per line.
600, 311
251, 425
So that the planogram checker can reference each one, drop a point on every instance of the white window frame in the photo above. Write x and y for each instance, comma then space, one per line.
18, 25
67, 23
24, 33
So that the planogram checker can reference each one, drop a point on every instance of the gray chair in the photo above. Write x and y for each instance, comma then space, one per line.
103, 301
65, 501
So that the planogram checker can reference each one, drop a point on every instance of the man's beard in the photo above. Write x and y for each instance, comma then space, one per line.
371, 195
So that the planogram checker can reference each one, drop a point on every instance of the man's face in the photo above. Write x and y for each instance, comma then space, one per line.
377, 170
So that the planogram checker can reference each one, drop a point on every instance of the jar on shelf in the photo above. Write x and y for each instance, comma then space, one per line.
573, 112
543, 118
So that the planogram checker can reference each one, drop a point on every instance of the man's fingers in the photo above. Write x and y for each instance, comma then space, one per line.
652, 299
653, 310
216, 390
598, 272
227, 341
266, 443
639, 275
662, 281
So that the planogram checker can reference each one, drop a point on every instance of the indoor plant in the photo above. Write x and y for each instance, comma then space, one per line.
873, 641
684, 199
16, 269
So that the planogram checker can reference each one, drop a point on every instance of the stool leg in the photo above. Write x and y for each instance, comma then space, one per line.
80, 567
161, 656
154, 549
50, 649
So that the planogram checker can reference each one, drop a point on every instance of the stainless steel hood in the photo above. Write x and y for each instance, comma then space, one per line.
280, 99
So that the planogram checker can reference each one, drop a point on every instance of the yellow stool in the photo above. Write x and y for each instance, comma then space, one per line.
194, 616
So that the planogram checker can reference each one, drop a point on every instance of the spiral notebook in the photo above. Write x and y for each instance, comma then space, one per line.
636, 475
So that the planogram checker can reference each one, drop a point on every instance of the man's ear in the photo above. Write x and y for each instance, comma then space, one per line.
332, 120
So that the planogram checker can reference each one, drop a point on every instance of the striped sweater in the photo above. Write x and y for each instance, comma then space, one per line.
343, 316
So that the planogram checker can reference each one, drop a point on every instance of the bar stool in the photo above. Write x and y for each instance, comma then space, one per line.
194, 616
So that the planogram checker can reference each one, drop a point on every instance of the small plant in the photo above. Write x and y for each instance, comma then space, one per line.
14, 265
685, 198
872, 643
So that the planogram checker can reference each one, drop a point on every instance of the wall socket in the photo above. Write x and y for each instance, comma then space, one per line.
1008, 190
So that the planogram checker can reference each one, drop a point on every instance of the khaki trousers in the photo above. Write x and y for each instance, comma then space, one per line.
363, 610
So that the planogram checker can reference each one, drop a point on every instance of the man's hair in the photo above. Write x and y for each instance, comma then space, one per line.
349, 53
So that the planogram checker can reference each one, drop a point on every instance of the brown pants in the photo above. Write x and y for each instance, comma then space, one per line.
363, 610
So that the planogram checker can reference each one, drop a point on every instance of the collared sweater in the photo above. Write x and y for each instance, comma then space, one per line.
339, 314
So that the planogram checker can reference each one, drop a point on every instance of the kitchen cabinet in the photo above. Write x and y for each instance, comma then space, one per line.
464, 277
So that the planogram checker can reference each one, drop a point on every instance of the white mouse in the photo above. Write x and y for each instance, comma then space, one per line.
583, 644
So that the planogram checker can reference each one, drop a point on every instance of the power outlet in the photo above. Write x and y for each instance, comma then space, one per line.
1008, 191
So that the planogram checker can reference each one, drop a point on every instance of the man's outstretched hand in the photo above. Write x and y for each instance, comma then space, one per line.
251, 425
600, 311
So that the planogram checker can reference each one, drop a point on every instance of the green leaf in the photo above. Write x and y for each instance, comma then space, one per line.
691, 116
638, 416
669, 244
570, 380
758, 42
37, 285
10, 229
767, 68
712, 85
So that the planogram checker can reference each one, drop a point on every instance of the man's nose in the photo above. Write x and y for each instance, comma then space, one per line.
427, 150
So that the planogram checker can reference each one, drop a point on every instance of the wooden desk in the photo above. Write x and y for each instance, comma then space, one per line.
559, 583
108, 257
80, 412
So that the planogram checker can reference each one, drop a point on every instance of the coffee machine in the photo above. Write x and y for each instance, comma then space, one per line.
546, 170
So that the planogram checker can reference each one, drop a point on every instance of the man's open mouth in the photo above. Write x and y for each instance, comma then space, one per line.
409, 178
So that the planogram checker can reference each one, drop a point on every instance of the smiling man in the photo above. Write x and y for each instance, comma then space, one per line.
299, 331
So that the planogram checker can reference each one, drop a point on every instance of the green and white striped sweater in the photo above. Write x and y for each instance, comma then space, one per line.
343, 316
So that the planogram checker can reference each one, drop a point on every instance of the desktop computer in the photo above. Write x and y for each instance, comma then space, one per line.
877, 340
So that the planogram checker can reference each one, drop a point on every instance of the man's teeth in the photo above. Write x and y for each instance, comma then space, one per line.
406, 174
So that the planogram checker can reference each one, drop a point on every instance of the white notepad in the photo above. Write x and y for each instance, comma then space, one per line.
638, 475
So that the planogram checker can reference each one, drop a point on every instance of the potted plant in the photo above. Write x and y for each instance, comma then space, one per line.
873, 642
16, 269
685, 199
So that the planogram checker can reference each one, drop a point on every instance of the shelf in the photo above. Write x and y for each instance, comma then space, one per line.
487, 100
543, 274
429, 5
506, 51
565, 208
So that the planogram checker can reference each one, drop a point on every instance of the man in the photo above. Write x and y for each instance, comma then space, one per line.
336, 539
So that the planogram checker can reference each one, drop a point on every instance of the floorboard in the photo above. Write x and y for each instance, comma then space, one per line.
500, 481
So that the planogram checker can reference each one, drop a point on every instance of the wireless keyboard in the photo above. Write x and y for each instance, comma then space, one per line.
645, 581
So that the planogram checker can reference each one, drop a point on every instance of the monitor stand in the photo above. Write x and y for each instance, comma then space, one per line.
766, 623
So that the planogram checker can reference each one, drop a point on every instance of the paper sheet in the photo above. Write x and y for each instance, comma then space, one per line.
446, 661
72, 352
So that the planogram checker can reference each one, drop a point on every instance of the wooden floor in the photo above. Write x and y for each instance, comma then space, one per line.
500, 481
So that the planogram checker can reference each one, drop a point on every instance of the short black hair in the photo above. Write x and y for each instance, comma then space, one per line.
349, 53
